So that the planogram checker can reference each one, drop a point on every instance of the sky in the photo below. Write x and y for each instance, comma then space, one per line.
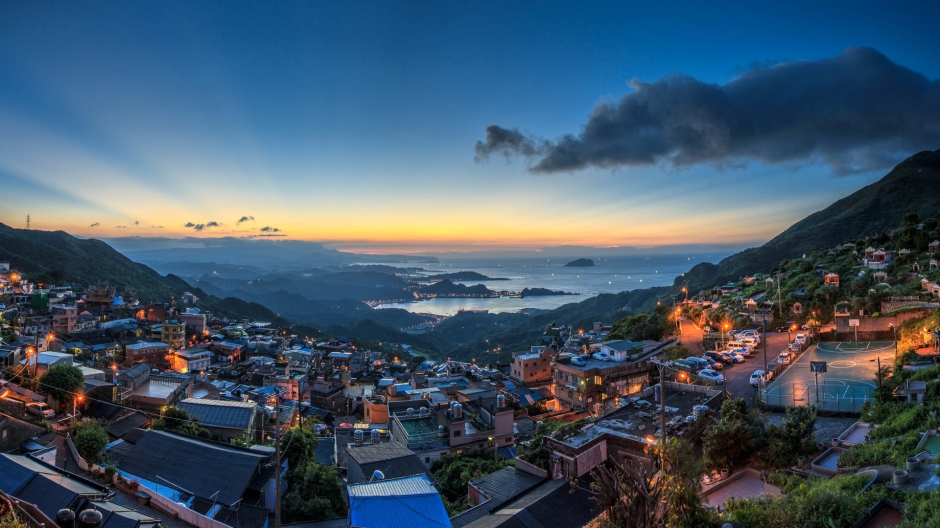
456, 126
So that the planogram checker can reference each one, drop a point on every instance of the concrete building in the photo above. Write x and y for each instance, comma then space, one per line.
534, 366
155, 354
191, 360
64, 318
587, 382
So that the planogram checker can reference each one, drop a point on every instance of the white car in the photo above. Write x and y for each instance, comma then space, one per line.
732, 357
712, 375
40, 409
742, 351
758, 374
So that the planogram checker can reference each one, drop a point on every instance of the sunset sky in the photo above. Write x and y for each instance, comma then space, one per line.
455, 125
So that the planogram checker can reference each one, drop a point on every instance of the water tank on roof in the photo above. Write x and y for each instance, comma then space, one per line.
458, 411
90, 519
442, 431
410, 412
376, 436
501, 401
358, 436
65, 518
699, 412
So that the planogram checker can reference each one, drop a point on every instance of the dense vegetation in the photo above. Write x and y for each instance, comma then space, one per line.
453, 472
874, 209
314, 491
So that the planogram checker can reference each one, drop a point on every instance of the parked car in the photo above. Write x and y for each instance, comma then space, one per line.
784, 358
729, 357
712, 375
708, 329
40, 409
699, 362
805, 327
685, 365
742, 351
751, 341
756, 377
786, 326
714, 364
801, 338
714, 356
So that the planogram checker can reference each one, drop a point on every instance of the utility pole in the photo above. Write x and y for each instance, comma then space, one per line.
277, 461
662, 412
779, 298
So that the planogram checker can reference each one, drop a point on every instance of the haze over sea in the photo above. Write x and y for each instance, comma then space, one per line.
610, 274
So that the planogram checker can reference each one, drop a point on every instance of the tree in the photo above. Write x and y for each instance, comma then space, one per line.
882, 392
674, 352
90, 439
629, 494
792, 437
298, 444
678, 479
177, 420
314, 494
638, 496
62, 382
453, 472
729, 441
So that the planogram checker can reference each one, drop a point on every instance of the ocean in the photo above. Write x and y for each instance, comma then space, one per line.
608, 275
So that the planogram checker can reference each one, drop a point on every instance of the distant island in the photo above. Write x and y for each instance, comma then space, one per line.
580, 263
446, 288
464, 276
536, 292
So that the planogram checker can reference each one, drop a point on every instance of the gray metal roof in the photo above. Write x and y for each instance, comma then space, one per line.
220, 413
200, 467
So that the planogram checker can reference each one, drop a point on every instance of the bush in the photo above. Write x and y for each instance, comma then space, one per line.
90, 439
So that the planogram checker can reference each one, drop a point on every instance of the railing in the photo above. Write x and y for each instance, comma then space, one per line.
828, 396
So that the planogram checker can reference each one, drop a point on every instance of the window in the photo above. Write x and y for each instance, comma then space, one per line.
456, 433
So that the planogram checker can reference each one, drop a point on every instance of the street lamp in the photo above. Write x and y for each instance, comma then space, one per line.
724, 328
895, 329
495, 452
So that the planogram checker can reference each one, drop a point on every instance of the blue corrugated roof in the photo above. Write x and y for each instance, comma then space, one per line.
410, 502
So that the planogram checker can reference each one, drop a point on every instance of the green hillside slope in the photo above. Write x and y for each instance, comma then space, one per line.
56, 256
912, 186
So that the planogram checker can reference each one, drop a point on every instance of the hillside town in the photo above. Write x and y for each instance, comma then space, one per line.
162, 414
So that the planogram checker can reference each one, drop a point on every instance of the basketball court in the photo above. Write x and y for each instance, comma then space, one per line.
847, 383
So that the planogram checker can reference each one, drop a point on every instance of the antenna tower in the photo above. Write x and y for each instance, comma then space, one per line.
27, 221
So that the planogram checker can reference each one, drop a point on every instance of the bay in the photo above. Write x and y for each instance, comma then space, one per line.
610, 274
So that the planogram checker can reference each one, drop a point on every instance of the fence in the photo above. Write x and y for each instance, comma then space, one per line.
834, 396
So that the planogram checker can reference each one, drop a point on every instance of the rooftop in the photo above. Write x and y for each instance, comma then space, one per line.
220, 413
407, 502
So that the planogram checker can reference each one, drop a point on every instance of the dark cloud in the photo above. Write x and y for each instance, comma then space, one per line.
854, 112
269, 229
245, 219
264, 235
96, 224
507, 142
136, 223
200, 227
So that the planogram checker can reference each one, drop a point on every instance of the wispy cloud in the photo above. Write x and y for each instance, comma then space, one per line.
245, 218
96, 224
120, 227
269, 229
136, 223
857, 111
156, 227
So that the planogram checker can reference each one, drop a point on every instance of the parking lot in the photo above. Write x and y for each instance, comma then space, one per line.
738, 375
